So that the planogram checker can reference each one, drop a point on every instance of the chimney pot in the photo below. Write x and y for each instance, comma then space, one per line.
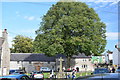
5, 30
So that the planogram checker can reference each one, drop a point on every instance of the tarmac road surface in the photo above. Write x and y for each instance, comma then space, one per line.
107, 76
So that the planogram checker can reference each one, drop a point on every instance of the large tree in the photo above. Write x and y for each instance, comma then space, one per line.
22, 44
71, 28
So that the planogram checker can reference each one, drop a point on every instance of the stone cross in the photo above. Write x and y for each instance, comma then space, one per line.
60, 64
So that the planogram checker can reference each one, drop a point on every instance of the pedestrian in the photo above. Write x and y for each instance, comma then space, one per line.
58, 69
110, 69
63, 68
113, 70
73, 75
51, 75
68, 76
77, 69
73, 70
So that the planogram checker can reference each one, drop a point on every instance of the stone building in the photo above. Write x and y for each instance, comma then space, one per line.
30, 61
109, 57
33, 61
4, 54
116, 55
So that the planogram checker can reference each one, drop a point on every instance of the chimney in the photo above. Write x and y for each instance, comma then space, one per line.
4, 34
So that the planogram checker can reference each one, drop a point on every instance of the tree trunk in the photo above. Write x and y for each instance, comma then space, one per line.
68, 62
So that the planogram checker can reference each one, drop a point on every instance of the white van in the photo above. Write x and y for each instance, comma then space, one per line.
45, 69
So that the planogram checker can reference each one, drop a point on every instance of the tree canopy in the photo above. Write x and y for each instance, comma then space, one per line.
22, 44
70, 28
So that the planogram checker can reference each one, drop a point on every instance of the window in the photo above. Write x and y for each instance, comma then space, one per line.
89, 59
84, 66
83, 60
29, 62
103, 57
49, 62
17, 62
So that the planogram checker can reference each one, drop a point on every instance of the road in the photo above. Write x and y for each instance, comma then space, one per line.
107, 76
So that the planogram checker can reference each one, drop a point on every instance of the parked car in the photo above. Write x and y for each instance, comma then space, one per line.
101, 71
118, 70
11, 71
15, 77
37, 75
106, 76
18, 71
45, 69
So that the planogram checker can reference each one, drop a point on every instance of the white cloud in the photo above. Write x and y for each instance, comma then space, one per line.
29, 31
30, 0
113, 3
97, 1
113, 35
107, 23
38, 19
32, 18
96, 8
29, 18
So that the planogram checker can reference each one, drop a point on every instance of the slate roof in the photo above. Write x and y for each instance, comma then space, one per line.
81, 55
31, 57
60, 55
40, 57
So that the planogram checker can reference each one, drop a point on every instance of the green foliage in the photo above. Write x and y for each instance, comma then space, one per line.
70, 28
22, 44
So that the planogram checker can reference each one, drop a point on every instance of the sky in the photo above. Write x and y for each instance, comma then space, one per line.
24, 17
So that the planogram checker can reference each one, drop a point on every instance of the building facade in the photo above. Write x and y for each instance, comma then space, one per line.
30, 61
33, 61
109, 58
116, 55
4, 54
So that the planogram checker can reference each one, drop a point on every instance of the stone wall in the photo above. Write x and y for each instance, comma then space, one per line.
29, 66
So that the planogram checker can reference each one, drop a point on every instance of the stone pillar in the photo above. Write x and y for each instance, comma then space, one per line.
5, 55
60, 74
